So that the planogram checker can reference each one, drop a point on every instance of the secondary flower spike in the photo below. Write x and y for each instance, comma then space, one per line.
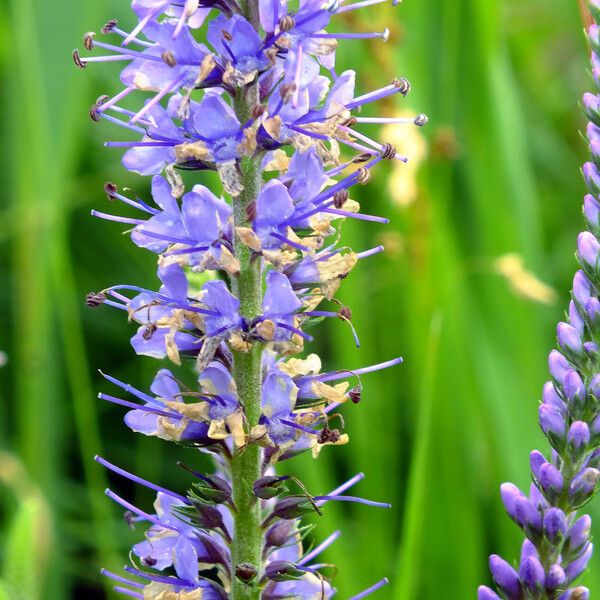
557, 547
245, 270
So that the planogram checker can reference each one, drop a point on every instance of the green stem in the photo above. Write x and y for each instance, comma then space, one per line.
246, 465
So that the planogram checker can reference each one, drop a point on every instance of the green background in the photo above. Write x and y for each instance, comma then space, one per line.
501, 82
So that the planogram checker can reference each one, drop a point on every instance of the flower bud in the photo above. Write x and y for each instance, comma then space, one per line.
550, 396
575, 319
578, 437
574, 389
591, 348
555, 578
528, 517
588, 248
578, 535
568, 338
553, 425
583, 486
269, 487
582, 288
591, 108
536, 460
293, 507
532, 575
578, 593
592, 309
578, 566
591, 210
551, 481
528, 549
485, 593
555, 525
510, 493
282, 570
245, 572
505, 576
279, 534
558, 365
590, 171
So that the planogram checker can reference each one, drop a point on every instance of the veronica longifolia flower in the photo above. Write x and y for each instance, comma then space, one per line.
246, 269
558, 548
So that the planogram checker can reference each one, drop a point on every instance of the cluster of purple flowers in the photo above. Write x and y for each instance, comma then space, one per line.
557, 548
241, 279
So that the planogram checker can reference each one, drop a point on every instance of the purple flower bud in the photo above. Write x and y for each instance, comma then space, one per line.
568, 338
558, 365
532, 574
556, 577
588, 248
590, 348
555, 525
527, 515
582, 288
591, 210
510, 493
590, 172
553, 425
550, 480
485, 593
579, 436
536, 460
574, 388
578, 593
578, 566
550, 396
591, 109
583, 486
575, 318
593, 460
505, 576
528, 549
579, 534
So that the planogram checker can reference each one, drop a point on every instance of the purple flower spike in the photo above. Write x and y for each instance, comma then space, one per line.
505, 577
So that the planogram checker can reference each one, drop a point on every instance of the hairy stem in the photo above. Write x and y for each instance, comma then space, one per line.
246, 465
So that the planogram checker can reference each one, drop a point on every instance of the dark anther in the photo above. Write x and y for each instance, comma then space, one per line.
110, 25
94, 108
328, 435
149, 561
363, 175
110, 189
402, 84
251, 211
345, 313
149, 331
169, 58
355, 394
77, 59
287, 23
258, 110
361, 158
421, 120
245, 572
388, 151
339, 198
350, 122
226, 35
88, 40
129, 518
286, 91
94, 300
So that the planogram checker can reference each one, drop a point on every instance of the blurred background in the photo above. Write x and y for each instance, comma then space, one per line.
480, 253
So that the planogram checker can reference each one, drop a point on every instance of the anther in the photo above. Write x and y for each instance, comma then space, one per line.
287, 23
94, 300
328, 435
345, 313
245, 572
361, 158
402, 84
364, 175
110, 189
88, 40
339, 198
388, 151
226, 35
350, 122
421, 120
286, 91
251, 211
129, 518
77, 59
355, 394
149, 561
258, 110
149, 331
94, 108
169, 58
110, 25
385, 35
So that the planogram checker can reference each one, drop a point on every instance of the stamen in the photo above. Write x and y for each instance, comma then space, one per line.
370, 252
175, 581
129, 221
157, 98
143, 22
359, 216
134, 509
355, 499
131, 390
126, 592
142, 407
384, 35
370, 590
322, 546
120, 579
298, 72
362, 4
295, 330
